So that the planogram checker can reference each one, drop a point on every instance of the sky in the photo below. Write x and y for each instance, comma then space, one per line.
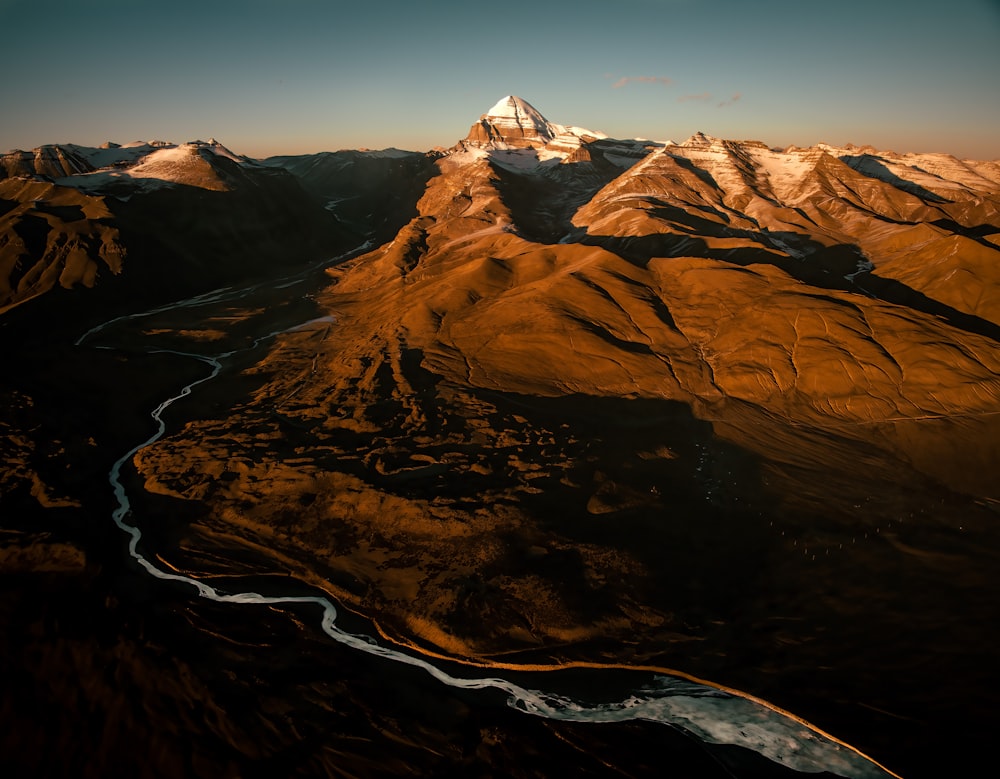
269, 77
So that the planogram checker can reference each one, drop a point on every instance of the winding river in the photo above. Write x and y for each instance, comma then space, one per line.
711, 714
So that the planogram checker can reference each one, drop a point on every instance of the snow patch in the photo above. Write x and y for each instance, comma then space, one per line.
147, 167
784, 170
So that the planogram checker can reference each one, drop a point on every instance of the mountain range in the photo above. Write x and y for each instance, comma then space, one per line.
544, 397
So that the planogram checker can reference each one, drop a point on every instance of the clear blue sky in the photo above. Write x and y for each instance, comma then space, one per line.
296, 76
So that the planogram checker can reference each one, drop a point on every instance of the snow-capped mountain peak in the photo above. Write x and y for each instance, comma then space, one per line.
155, 164
525, 138
512, 123
516, 116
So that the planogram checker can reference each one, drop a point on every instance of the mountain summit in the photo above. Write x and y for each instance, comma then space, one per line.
513, 122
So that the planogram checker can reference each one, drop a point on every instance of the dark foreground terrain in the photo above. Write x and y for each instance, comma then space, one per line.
843, 587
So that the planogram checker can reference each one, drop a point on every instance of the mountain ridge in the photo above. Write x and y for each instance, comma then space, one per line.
929, 220
846, 222
173, 219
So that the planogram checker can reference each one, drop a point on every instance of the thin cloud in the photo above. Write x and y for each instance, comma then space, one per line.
704, 97
734, 99
664, 80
